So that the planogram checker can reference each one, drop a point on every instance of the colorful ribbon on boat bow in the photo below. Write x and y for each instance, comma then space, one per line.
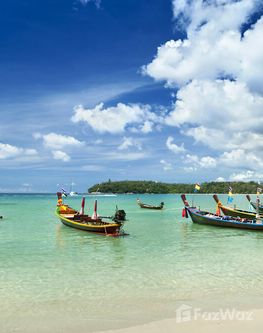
185, 213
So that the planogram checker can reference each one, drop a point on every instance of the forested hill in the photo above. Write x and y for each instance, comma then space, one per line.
158, 187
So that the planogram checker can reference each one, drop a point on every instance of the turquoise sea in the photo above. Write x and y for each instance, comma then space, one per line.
57, 279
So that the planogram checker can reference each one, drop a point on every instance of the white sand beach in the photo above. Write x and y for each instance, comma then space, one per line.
253, 323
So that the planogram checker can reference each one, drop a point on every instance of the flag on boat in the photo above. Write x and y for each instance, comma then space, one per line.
64, 191
230, 195
197, 187
259, 190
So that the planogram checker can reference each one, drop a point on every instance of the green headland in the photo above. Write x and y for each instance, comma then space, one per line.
128, 186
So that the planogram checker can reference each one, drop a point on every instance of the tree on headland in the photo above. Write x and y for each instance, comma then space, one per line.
141, 187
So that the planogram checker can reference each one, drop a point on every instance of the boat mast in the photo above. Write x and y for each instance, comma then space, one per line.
258, 220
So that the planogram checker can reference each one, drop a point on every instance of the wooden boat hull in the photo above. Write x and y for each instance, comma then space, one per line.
151, 207
145, 206
229, 211
99, 230
238, 213
103, 228
221, 222
206, 218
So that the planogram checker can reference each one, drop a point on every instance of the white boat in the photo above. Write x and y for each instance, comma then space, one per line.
71, 192
100, 194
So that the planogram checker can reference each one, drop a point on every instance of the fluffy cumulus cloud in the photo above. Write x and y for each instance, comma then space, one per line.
218, 69
117, 119
247, 175
60, 155
8, 151
214, 45
241, 158
57, 141
173, 146
220, 179
203, 162
222, 114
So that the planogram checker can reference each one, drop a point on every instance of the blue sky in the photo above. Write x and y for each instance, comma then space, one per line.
159, 90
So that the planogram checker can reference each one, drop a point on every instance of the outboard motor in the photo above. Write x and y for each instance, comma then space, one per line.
120, 216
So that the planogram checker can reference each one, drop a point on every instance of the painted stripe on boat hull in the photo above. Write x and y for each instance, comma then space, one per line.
204, 220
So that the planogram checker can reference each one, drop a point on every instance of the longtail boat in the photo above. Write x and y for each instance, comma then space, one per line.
78, 220
142, 205
254, 204
234, 211
206, 218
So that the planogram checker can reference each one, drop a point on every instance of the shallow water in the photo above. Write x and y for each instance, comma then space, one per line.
55, 278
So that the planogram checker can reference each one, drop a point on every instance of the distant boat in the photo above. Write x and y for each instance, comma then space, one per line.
71, 192
1, 217
234, 211
101, 194
206, 218
78, 220
142, 205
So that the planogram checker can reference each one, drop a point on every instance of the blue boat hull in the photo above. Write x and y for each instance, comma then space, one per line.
206, 218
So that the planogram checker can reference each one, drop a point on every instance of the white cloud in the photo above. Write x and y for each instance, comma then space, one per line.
57, 141
8, 151
147, 127
189, 169
116, 119
128, 156
96, 2
200, 103
202, 162
208, 162
98, 142
241, 158
246, 176
195, 14
234, 159
174, 147
129, 142
222, 115
60, 155
166, 165
220, 179
214, 45
27, 185
37, 135
218, 69
92, 167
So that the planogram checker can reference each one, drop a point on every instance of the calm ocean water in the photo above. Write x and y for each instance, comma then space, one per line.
54, 278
